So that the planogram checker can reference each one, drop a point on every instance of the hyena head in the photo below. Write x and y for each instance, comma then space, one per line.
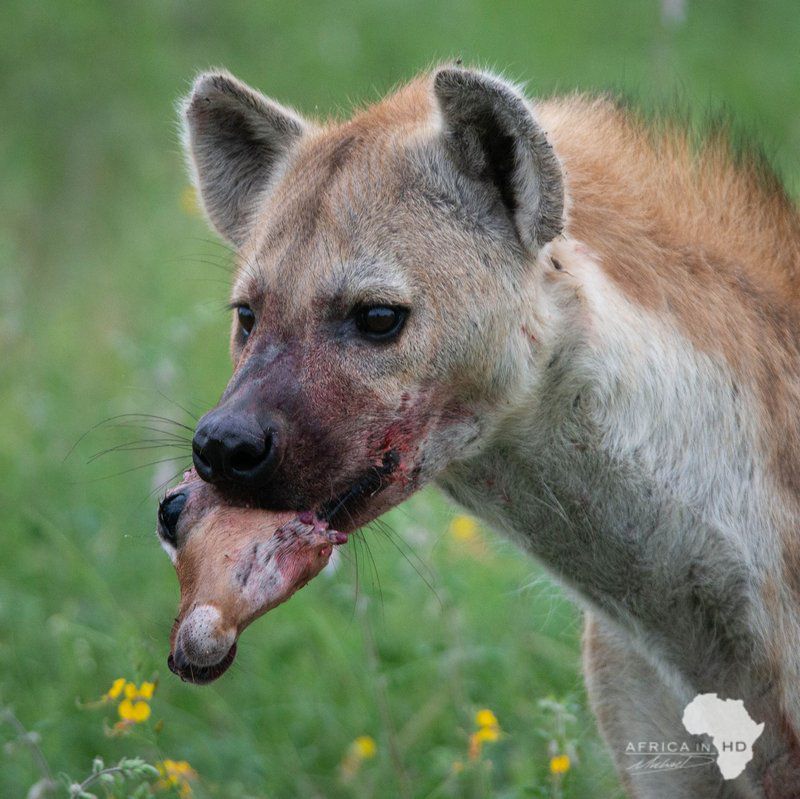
381, 267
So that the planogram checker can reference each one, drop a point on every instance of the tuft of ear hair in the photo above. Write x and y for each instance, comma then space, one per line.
235, 139
491, 134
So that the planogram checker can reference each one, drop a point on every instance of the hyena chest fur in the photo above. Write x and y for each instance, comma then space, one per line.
632, 473
607, 528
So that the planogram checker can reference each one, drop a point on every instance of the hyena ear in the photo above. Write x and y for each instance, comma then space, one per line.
235, 139
492, 136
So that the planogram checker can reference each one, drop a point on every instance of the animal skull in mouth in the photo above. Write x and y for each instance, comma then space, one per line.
233, 564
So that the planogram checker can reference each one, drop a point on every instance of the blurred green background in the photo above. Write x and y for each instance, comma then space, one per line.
112, 294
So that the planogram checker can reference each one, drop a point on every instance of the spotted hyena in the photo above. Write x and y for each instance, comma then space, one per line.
582, 327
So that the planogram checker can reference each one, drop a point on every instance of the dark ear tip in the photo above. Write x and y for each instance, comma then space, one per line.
448, 82
213, 79
209, 86
204, 87
446, 79
445, 75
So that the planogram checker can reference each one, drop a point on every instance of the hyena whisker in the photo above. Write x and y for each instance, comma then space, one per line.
147, 417
82, 436
133, 446
177, 404
162, 485
213, 281
199, 260
393, 538
107, 423
365, 540
175, 436
221, 244
359, 538
357, 541
136, 468
354, 560
402, 510
166, 433
201, 407
220, 258
357, 587
195, 259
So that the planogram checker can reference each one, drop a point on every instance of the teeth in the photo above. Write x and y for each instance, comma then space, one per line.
320, 527
335, 537
310, 518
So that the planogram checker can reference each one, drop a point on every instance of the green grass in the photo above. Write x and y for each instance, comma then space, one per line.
111, 302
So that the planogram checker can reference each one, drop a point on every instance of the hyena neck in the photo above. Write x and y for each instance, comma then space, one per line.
632, 466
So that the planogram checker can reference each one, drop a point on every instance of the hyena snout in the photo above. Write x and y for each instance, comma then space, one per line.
236, 447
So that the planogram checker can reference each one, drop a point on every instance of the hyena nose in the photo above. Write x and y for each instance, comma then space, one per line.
234, 448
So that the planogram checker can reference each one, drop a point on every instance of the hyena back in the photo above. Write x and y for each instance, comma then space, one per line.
582, 327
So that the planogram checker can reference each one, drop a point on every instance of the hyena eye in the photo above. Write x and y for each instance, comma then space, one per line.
246, 319
380, 322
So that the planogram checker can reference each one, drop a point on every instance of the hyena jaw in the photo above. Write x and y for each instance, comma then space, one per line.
669, 542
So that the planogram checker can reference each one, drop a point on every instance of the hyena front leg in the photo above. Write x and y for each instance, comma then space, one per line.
633, 704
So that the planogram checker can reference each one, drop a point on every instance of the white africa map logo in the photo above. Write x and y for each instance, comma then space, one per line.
730, 727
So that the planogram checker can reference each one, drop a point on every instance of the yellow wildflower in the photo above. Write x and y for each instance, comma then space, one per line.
137, 712
135, 705
488, 732
365, 747
559, 764
484, 734
116, 688
361, 749
485, 718
146, 690
464, 528
175, 774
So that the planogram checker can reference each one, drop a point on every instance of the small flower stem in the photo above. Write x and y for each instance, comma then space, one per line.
8, 716
76, 790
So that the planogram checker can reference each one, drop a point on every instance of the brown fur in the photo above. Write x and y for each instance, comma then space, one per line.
688, 232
